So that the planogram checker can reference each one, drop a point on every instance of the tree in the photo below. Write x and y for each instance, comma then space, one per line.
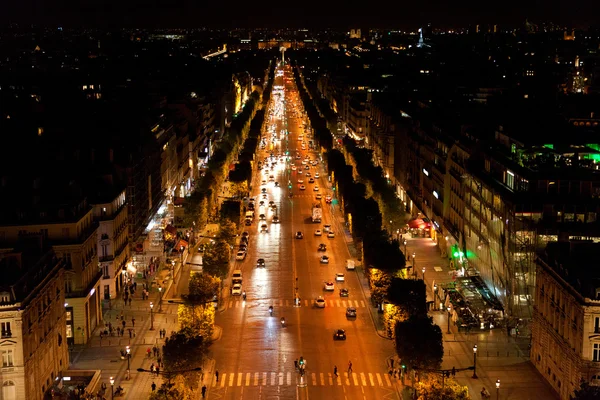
215, 260
430, 388
379, 283
227, 231
181, 353
196, 321
177, 388
419, 342
586, 392
409, 295
202, 288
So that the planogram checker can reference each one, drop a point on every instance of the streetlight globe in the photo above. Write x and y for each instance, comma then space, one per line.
151, 305
414, 255
448, 308
498, 384
423, 270
128, 349
160, 289
112, 381
474, 348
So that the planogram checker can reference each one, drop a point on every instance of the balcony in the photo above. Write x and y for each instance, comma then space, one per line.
6, 334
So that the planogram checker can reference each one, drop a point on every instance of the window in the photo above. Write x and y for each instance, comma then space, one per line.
7, 358
69, 331
596, 352
597, 325
104, 251
105, 271
510, 179
5, 328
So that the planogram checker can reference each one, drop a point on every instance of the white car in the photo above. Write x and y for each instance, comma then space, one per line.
329, 286
302, 187
318, 232
300, 181
317, 175
330, 234
327, 228
240, 255
275, 220
293, 167
320, 302
236, 289
300, 171
264, 228
339, 277
324, 260
316, 188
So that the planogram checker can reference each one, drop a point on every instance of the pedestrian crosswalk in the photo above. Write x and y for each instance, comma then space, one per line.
370, 379
237, 303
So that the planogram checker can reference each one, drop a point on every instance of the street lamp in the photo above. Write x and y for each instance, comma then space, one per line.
498, 389
128, 350
160, 299
435, 293
151, 317
405, 246
423, 274
112, 387
414, 264
474, 361
448, 320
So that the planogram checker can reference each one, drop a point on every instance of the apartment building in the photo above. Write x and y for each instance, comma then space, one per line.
565, 345
33, 319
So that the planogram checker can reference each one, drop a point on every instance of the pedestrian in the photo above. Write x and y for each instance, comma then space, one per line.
129, 333
335, 371
132, 321
101, 336
134, 285
349, 367
157, 369
153, 386
122, 318
152, 367
130, 301
217, 375
296, 363
148, 351
133, 332
123, 323
484, 394
154, 350
203, 391
159, 361
118, 331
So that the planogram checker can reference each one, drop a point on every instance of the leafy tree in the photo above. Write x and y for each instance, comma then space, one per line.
379, 283
238, 189
227, 232
409, 295
202, 288
181, 353
430, 388
196, 321
419, 342
177, 388
383, 254
215, 260
586, 392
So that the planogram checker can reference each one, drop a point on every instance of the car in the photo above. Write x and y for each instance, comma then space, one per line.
260, 263
300, 181
300, 171
328, 199
326, 227
245, 234
302, 187
271, 178
320, 302
318, 232
271, 203
316, 188
263, 190
330, 234
251, 207
324, 260
311, 180
264, 228
276, 184
299, 235
262, 216
248, 222
263, 182
318, 197
350, 266
339, 334
261, 203
307, 167
339, 277
322, 247
236, 289
275, 220
308, 175
329, 286
293, 167
244, 240
240, 255
344, 292
350, 312
303, 162
243, 247
264, 196
317, 175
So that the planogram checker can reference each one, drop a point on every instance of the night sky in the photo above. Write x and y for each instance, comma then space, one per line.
308, 13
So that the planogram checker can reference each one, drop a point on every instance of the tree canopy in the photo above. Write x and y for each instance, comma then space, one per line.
202, 288
419, 342
430, 388
586, 392
215, 260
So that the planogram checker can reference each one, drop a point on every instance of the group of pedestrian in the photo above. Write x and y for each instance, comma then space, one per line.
162, 333
155, 368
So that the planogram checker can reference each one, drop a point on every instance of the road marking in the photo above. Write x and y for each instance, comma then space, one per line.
344, 303
256, 379
248, 378
289, 378
230, 304
264, 379
362, 303
287, 302
330, 376
237, 304
371, 379
280, 378
239, 380
313, 377
347, 380
338, 303
355, 378
306, 303
322, 375
379, 379
387, 380
231, 376
273, 376
363, 379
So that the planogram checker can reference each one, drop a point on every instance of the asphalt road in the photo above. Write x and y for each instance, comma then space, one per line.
255, 356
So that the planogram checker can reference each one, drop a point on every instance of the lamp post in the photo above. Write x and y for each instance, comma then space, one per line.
405, 242
474, 361
423, 274
112, 387
435, 294
448, 321
128, 350
498, 389
414, 264
151, 317
160, 299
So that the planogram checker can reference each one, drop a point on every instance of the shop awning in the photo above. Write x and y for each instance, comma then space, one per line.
171, 229
180, 244
418, 223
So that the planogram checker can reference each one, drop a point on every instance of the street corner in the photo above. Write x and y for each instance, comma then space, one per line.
217, 333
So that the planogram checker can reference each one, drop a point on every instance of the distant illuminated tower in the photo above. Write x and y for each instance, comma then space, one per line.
282, 50
421, 42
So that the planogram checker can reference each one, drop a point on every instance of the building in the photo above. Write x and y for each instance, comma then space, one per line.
32, 318
110, 213
565, 346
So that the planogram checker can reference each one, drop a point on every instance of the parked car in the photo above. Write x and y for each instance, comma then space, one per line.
339, 334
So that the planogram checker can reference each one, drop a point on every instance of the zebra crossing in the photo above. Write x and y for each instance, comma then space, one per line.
248, 379
238, 303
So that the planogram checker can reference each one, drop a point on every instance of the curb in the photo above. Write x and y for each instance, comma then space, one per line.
217, 333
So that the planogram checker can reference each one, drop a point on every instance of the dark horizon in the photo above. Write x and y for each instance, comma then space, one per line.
313, 14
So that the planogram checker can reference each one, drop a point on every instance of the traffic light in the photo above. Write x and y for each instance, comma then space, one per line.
403, 366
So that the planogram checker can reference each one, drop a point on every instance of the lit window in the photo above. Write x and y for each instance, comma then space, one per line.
596, 352
7, 358
510, 179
